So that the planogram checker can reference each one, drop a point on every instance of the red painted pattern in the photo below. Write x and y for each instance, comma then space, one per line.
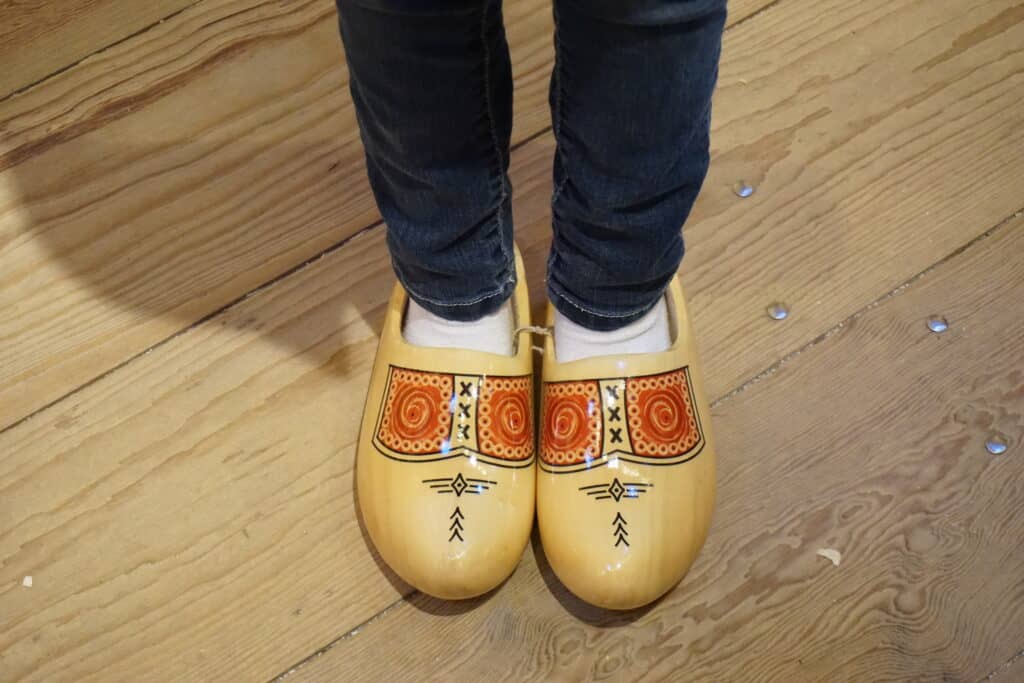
417, 417
662, 420
572, 423
505, 417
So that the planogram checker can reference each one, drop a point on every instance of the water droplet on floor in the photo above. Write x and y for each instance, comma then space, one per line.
937, 324
995, 445
743, 189
778, 311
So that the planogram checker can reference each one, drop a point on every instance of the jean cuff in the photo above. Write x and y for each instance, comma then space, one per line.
589, 318
469, 311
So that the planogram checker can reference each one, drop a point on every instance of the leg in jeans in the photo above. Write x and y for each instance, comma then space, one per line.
432, 86
448, 407
631, 103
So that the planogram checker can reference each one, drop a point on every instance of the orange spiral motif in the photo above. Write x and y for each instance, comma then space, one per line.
572, 423
664, 413
511, 423
661, 417
415, 411
416, 416
506, 417
567, 423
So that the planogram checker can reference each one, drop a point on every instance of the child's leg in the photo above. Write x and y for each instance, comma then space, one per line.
631, 102
431, 82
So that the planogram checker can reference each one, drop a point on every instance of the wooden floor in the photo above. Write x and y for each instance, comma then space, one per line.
192, 278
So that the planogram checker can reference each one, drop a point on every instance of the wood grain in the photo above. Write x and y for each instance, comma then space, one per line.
931, 578
163, 178
913, 171
206, 487
149, 202
39, 38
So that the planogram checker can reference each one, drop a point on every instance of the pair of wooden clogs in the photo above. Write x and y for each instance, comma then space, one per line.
448, 478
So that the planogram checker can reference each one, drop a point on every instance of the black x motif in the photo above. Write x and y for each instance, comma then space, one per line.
465, 388
616, 435
616, 490
612, 392
464, 409
460, 484
613, 414
463, 432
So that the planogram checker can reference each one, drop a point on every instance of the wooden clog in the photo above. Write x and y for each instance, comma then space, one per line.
446, 458
627, 468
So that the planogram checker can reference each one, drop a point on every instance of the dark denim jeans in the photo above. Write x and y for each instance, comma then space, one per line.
630, 99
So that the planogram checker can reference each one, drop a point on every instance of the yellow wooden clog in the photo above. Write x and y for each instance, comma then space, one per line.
627, 468
445, 465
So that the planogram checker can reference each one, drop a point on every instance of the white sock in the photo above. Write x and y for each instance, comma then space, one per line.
649, 334
493, 333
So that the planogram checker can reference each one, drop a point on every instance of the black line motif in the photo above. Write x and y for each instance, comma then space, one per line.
616, 490
620, 532
459, 485
456, 527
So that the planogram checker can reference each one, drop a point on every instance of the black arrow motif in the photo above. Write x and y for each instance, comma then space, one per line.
456, 527
620, 530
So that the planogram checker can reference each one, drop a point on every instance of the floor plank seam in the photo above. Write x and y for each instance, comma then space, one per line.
774, 367
530, 138
72, 65
753, 15
340, 639
1003, 667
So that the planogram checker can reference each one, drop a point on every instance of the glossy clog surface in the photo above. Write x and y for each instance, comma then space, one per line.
626, 479
445, 464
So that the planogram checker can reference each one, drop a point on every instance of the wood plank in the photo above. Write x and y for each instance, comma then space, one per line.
38, 38
136, 205
898, 178
931, 581
207, 486
165, 177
